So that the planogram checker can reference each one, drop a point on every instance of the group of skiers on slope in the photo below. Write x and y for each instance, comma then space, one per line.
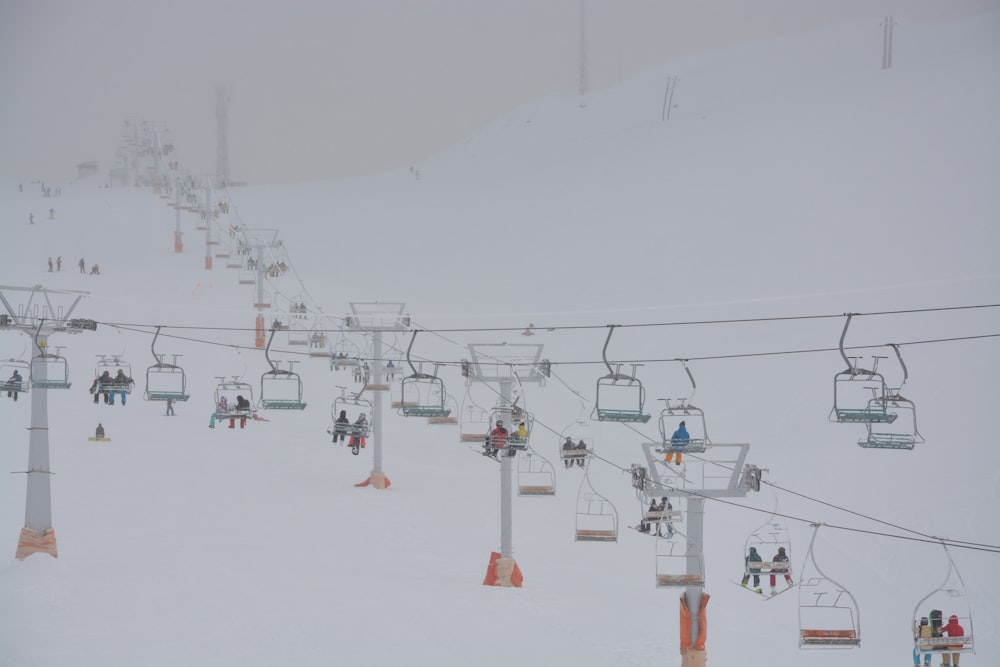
568, 446
929, 628
109, 386
223, 410
358, 431
750, 570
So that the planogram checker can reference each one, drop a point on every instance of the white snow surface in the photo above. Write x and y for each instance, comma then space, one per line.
794, 177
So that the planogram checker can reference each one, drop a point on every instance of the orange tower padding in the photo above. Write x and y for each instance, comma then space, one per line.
31, 542
377, 480
258, 339
178, 243
208, 263
693, 654
495, 578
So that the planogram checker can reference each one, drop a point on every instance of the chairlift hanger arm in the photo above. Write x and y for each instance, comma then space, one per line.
604, 350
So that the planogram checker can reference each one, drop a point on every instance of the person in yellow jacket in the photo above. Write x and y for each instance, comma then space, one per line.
921, 631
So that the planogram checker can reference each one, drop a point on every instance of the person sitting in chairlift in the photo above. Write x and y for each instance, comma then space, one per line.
496, 440
752, 557
678, 440
14, 385
568, 446
340, 426
242, 407
358, 439
581, 461
522, 432
780, 557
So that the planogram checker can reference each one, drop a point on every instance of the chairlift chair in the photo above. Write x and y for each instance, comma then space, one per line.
475, 424
49, 371
112, 364
280, 389
230, 390
766, 539
677, 566
829, 617
351, 404
535, 475
620, 397
596, 516
576, 454
901, 432
671, 416
951, 600
514, 442
164, 382
422, 395
858, 393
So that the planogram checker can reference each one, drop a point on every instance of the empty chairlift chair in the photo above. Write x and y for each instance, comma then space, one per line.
535, 475
596, 516
280, 389
422, 395
858, 393
620, 397
901, 432
828, 614
164, 382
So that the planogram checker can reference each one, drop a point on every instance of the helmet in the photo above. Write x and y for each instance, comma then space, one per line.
753, 549
781, 550
499, 422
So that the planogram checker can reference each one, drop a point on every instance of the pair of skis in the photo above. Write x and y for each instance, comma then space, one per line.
760, 591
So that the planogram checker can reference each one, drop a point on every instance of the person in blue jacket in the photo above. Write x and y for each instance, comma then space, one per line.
752, 557
678, 440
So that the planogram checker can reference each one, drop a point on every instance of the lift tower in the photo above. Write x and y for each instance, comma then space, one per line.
39, 315
377, 318
503, 364
258, 240
222, 148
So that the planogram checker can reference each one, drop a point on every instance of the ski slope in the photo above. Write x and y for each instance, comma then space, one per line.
794, 178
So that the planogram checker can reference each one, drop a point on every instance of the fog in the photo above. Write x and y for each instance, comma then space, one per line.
331, 89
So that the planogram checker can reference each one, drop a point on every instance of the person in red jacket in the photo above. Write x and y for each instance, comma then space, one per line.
496, 440
953, 629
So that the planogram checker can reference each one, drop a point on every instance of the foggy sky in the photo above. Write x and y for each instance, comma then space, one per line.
325, 89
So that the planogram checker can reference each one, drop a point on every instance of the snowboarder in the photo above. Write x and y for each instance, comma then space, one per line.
357, 440
95, 270
99, 432
752, 557
780, 557
677, 442
13, 385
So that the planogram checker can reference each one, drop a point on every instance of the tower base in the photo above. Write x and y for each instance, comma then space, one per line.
31, 542
503, 572
376, 480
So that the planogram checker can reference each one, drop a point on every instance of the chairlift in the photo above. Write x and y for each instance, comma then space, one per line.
513, 441
164, 382
829, 617
422, 395
901, 432
535, 475
859, 393
344, 353
575, 452
677, 564
660, 514
351, 405
475, 423
767, 539
620, 397
280, 389
596, 516
108, 378
16, 376
948, 599
227, 394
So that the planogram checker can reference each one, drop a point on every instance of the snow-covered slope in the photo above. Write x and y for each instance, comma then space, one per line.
793, 178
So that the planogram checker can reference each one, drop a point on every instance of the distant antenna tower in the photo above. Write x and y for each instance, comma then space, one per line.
583, 47
887, 26
222, 153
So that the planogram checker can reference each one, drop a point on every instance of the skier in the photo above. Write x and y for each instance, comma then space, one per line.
581, 460
50, 265
780, 557
496, 440
83, 266
59, 263
31, 218
753, 557
922, 631
521, 434
677, 441
170, 408
13, 385
95, 270
121, 383
100, 385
